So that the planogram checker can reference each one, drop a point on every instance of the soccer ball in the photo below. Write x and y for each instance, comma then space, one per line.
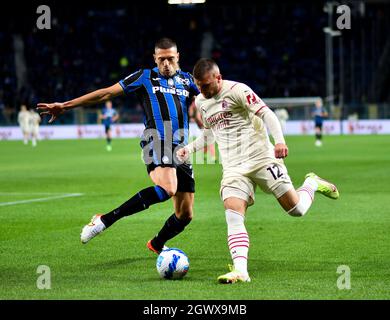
172, 263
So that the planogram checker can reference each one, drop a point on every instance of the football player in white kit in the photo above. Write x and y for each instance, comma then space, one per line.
23, 120
34, 122
234, 115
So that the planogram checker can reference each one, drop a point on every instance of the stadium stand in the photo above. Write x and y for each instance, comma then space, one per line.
279, 50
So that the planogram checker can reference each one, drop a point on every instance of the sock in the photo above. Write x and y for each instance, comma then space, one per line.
306, 198
139, 202
172, 227
108, 140
238, 240
34, 142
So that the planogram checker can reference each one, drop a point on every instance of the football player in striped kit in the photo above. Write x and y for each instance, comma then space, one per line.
165, 93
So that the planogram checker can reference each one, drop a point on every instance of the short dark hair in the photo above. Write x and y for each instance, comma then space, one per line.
203, 66
165, 43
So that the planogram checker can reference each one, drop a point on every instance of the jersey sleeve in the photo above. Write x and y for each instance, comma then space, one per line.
247, 98
194, 91
132, 82
199, 110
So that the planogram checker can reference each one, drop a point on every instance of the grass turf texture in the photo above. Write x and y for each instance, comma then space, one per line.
290, 258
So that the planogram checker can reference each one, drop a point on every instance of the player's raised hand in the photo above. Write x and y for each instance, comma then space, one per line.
281, 151
182, 154
53, 109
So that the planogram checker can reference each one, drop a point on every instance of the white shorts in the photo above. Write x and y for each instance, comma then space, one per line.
271, 177
34, 130
25, 129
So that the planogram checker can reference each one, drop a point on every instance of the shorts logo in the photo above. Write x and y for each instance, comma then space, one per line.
165, 159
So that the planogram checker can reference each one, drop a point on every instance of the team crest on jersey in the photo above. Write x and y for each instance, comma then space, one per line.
182, 81
225, 104
171, 82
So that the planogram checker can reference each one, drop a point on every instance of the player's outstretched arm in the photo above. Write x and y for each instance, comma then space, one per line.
99, 96
273, 124
205, 139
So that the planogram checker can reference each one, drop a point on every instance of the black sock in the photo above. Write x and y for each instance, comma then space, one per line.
108, 140
139, 202
318, 136
172, 227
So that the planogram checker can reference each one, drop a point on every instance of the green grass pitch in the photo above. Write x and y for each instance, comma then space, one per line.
289, 258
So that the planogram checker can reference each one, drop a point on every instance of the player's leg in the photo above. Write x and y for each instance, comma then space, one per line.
165, 187
34, 136
237, 237
318, 133
297, 202
183, 202
25, 135
176, 223
237, 193
108, 138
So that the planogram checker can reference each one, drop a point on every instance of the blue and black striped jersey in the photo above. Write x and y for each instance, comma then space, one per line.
165, 101
108, 115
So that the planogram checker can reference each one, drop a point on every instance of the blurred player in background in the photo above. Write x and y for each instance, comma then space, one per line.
34, 122
319, 114
24, 122
282, 115
248, 158
165, 93
108, 116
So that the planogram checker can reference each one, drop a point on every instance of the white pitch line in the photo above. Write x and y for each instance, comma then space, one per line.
29, 193
67, 195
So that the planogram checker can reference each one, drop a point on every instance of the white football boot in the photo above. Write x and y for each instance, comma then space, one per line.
92, 229
234, 276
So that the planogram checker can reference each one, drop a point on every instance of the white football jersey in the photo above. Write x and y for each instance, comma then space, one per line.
241, 136
34, 119
24, 118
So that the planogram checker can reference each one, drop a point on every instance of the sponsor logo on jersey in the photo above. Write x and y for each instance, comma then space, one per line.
182, 81
177, 91
218, 117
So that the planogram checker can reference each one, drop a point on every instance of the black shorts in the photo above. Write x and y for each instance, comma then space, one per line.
161, 155
107, 127
318, 125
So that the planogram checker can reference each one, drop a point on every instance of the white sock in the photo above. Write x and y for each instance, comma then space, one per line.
34, 142
306, 198
238, 240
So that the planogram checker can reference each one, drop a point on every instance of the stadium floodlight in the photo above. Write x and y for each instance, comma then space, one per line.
186, 1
